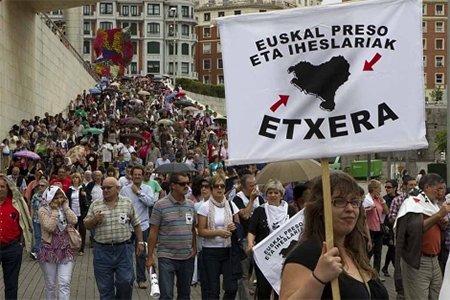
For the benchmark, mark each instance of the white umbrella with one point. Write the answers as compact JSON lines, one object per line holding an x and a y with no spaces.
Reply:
{"x":115,"y":84}
{"x":144,"y":93}
{"x":190,"y":108}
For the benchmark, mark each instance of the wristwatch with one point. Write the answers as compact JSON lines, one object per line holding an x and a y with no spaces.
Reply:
{"x":141,"y":243}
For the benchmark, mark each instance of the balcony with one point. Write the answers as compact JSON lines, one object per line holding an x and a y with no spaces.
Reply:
{"x":130,"y":17}
{"x":45,"y":5}
{"x":91,"y":16}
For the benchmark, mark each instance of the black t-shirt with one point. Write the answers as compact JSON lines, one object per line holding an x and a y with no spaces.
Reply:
{"x":240,"y":204}
{"x":308,"y":254}
{"x":258,"y":223}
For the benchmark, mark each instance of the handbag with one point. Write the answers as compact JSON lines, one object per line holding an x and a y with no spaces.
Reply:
{"x":74,"y":238}
{"x":388,"y":234}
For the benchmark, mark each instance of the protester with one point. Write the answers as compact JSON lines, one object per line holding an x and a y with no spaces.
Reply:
{"x":216,"y":224}
{"x":266,"y":219}
{"x":36,"y":203}
{"x":314,"y":266}
{"x":55,"y":255}
{"x":390,"y":186}
{"x":300,"y":192}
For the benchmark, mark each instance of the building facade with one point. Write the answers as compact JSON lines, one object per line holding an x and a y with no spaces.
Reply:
{"x":155,"y":26}
{"x":208,"y":55}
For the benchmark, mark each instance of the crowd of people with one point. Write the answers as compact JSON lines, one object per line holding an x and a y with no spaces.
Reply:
{"x":96,"y":169}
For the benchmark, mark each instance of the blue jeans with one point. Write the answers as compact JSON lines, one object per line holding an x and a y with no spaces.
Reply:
{"x":140,"y":261}
{"x":218,"y":262}
{"x":11,"y":260}
{"x":168,"y":269}
{"x":37,"y":237}
{"x":113,"y":267}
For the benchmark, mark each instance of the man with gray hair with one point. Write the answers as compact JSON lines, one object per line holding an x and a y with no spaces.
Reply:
{"x":418,"y":226}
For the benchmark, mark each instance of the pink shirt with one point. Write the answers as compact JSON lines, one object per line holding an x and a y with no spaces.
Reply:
{"x":374,"y":216}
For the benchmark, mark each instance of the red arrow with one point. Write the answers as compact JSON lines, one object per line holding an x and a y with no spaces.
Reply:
{"x":368,"y":65}
{"x":283,"y":100}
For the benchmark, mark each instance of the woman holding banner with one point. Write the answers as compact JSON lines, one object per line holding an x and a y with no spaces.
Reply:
{"x":216,"y":218}
{"x":266,"y":219}
{"x":310,"y":268}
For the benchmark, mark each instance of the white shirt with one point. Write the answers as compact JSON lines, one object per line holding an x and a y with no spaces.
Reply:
{"x":106,"y":150}
{"x":124,"y":181}
{"x":96,"y":192}
{"x":160,"y":162}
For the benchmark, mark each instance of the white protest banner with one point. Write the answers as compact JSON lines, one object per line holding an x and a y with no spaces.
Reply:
{"x":324,"y":81}
{"x":271,"y":252}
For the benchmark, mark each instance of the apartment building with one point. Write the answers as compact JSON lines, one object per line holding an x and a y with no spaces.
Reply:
{"x":434,"y":27}
{"x":156,"y":26}
{"x":208,"y":56}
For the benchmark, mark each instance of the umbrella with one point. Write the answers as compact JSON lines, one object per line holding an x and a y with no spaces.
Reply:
{"x":145,"y":79}
{"x":181,"y":94}
{"x":174,"y":168}
{"x":27,"y":154}
{"x":167,"y":91}
{"x":170,"y":97}
{"x":144,"y":93}
{"x":183,"y":103}
{"x":165,"y":122}
{"x":191,"y":108}
{"x":124,"y":120}
{"x":157,"y":79}
{"x":110,"y":90}
{"x":92,"y":130}
{"x":115,"y":84}
{"x":76,"y":153}
{"x":290,"y":171}
{"x":126,"y":78}
{"x":95,"y":91}
{"x":137,"y":101}
{"x":134,"y":122}
{"x":220,"y":120}
{"x":161,"y":110}
{"x":133,"y":136}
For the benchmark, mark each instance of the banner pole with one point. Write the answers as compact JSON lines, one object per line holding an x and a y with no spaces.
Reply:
{"x":328,"y":219}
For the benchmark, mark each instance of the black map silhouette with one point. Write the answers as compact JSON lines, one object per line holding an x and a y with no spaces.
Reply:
{"x":323,"y":80}
{"x":285,"y":251}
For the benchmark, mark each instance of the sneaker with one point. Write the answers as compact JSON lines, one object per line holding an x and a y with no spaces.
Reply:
{"x":143,"y":285}
{"x":34,"y":255}
{"x":385,"y":272}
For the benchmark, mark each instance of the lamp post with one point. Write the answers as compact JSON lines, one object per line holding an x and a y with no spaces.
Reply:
{"x":174,"y":11}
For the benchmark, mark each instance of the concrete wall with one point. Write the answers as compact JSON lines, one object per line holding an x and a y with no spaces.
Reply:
{"x":37,"y":73}
{"x":216,"y":104}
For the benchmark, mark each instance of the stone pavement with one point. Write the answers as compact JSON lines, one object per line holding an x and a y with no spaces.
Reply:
{"x":31,"y":281}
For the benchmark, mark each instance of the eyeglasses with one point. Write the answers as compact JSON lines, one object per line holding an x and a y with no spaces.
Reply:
{"x":107,"y":187}
{"x":205,"y":186}
{"x":42,"y":185}
{"x":219,"y":186}
{"x":439,"y":190}
{"x":185,"y":183}
{"x":388,"y":187}
{"x":147,"y":173}
{"x":341,"y":202}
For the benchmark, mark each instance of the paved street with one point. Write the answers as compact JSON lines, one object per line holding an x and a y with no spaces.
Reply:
{"x":31,"y":281}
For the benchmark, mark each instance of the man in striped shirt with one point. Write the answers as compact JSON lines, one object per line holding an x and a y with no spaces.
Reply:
{"x":173,"y":226}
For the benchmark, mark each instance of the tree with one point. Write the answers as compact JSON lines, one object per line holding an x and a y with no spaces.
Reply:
{"x":441,"y":140}
{"x":437,"y":93}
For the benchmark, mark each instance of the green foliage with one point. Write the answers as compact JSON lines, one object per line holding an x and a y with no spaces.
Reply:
{"x":441,"y":140}
{"x":437,"y":94}
{"x":201,"y":88}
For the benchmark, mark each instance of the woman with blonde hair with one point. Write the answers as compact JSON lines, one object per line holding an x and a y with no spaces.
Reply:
{"x":266,"y":219}
{"x":55,"y":254}
{"x":310,"y":267}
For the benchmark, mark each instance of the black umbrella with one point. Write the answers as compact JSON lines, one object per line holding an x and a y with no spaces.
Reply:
{"x":125,"y":78}
{"x":183,"y":103}
{"x":133,"y":136}
{"x":174,"y":168}
{"x":161,"y":110}
{"x":110,"y":90}
{"x":157,"y":79}
{"x":134,"y":122}
{"x":220,"y":120}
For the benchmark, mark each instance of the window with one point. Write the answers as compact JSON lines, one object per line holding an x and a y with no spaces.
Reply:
{"x":439,"y":9}
{"x":172,"y":11}
{"x":106,"y":8}
{"x":220,"y":80}
{"x":106,"y":25}
{"x":184,"y":49}
{"x":133,"y":67}
{"x":57,"y":12}
{"x":207,"y":48}
{"x":206,"y":32}
{"x":219,"y":48}
{"x":424,"y":26}
{"x":153,"y":67}
{"x":171,"y":49}
{"x":219,"y":64}
{"x":439,"y":78}
{"x":172,"y":32}
{"x":86,"y":10}
{"x":153,"y":28}
{"x":133,"y":29}
{"x":424,"y":61}
{"x":206,"y":17}
{"x":221,"y":14}
{"x":439,"y":44}
{"x":125,"y":24}
{"x":153,"y":9}
{"x":184,"y":68}
{"x":171,"y":68}
{"x":86,"y":28}
{"x":134,"y":10}
{"x":207,"y":79}
{"x":439,"y":61}
{"x":424,"y":9}
{"x":135,"y":46}
{"x":185,"y":30}
{"x":125,"y":10}
{"x":206,"y":64}
{"x":86,"y":47}
{"x":439,"y":26}
{"x":424,"y":44}
{"x":185,"y":11}
{"x":237,"y":12}
{"x":153,"y":48}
